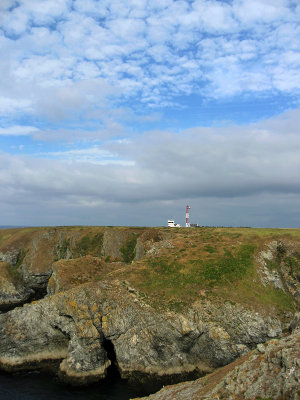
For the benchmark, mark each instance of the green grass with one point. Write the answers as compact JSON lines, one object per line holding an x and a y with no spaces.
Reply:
{"x":175,"y":279}
{"x":264,"y":398}
{"x":228,"y":268}
{"x":21,"y":257}
{"x":89,"y":244}
{"x":272,"y":297}
{"x":294,"y":265}
{"x":222,"y":269}
{"x":14,"y":274}
{"x":128,"y":249}
{"x":228,"y":274}
{"x":210,"y":249}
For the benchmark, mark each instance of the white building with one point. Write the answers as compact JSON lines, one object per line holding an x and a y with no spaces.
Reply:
{"x":171,"y":224}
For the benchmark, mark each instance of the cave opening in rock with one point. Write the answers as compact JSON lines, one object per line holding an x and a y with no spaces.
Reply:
{"x":113,"y":370}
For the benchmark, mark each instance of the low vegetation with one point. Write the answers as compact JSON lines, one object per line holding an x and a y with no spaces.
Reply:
{"x":186,"y":265}
{"x":217,"y":263}
{"x":128,"y":249}
{"x":13,"y":271}
{"x":14,"y":274}
{"x":89,"y":244}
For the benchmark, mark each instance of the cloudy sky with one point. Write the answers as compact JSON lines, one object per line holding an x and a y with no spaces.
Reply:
{"x":121,"y":112}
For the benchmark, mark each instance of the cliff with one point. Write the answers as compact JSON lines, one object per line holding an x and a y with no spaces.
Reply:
{"x":272,"y":371}
{"x":158,"y":305}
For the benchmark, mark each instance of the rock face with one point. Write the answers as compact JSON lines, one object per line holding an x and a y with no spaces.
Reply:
{"x":33,"y":257}
{"x":30,"y":266}
{"x":12,"y":293}
{"x":279,"y":266}
{"x":36,"y":267}
{"x":11,"y":256}
{"x":272,"y":371}
{"x":76,"y":328}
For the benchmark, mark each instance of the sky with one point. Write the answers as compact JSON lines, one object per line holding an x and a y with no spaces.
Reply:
{"x":121,"y":112}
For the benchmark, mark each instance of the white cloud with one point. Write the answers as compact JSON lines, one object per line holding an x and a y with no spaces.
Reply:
{"x":261,"y":10}
{"x":41,"y":68}
{"x":72,"y":100}
{"x":151,"y":51}
{"x":92,"y":155}
{"x":73,"y":65}
{"x":15,"y":22}
{"x":12,"y":105}
{"x":215,"y":16}
{"x":93,"y":8}
{"x":18,"y":130}
{"x":44,"y":12}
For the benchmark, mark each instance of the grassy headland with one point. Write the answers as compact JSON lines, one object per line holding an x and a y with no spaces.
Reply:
{"x":179,"y":266}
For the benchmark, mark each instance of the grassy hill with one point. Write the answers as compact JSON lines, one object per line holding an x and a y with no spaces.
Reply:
{"x":176,"y":266}
{"x":217,"y":263}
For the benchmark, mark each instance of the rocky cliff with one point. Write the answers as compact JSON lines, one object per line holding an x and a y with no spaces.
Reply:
{"x":158,"y":305}
{"x":74,"y":326}
{"x":28,"y":256}
{"x":272,"y":371}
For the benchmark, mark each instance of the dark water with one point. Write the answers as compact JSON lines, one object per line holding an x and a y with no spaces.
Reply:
{"x":39,"y":386}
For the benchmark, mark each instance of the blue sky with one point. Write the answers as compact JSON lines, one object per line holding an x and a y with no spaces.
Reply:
{"x":120,"y":112}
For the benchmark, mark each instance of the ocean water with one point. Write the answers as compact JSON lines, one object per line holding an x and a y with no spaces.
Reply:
{"x":10,"y":226}
{"x":39,"y":386}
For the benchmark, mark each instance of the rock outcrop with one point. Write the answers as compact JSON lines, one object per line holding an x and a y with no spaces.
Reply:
{"x":32,"y":256}
{"x":11,"y":256}
{"x":279,"y":266}
{"x":74,"y":327}
{"x":272,"y":371}
{"x":13,"y":293}
{"x":29,"y":263}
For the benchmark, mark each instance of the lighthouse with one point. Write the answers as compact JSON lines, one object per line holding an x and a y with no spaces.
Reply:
{"x":187,"y":216}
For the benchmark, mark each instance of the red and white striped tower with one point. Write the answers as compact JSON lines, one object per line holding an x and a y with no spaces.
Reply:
{"x":187,"y":217}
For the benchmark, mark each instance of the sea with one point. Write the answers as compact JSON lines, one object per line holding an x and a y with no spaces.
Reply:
{"x":39,"y":386}
{"x":10,"y":226}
